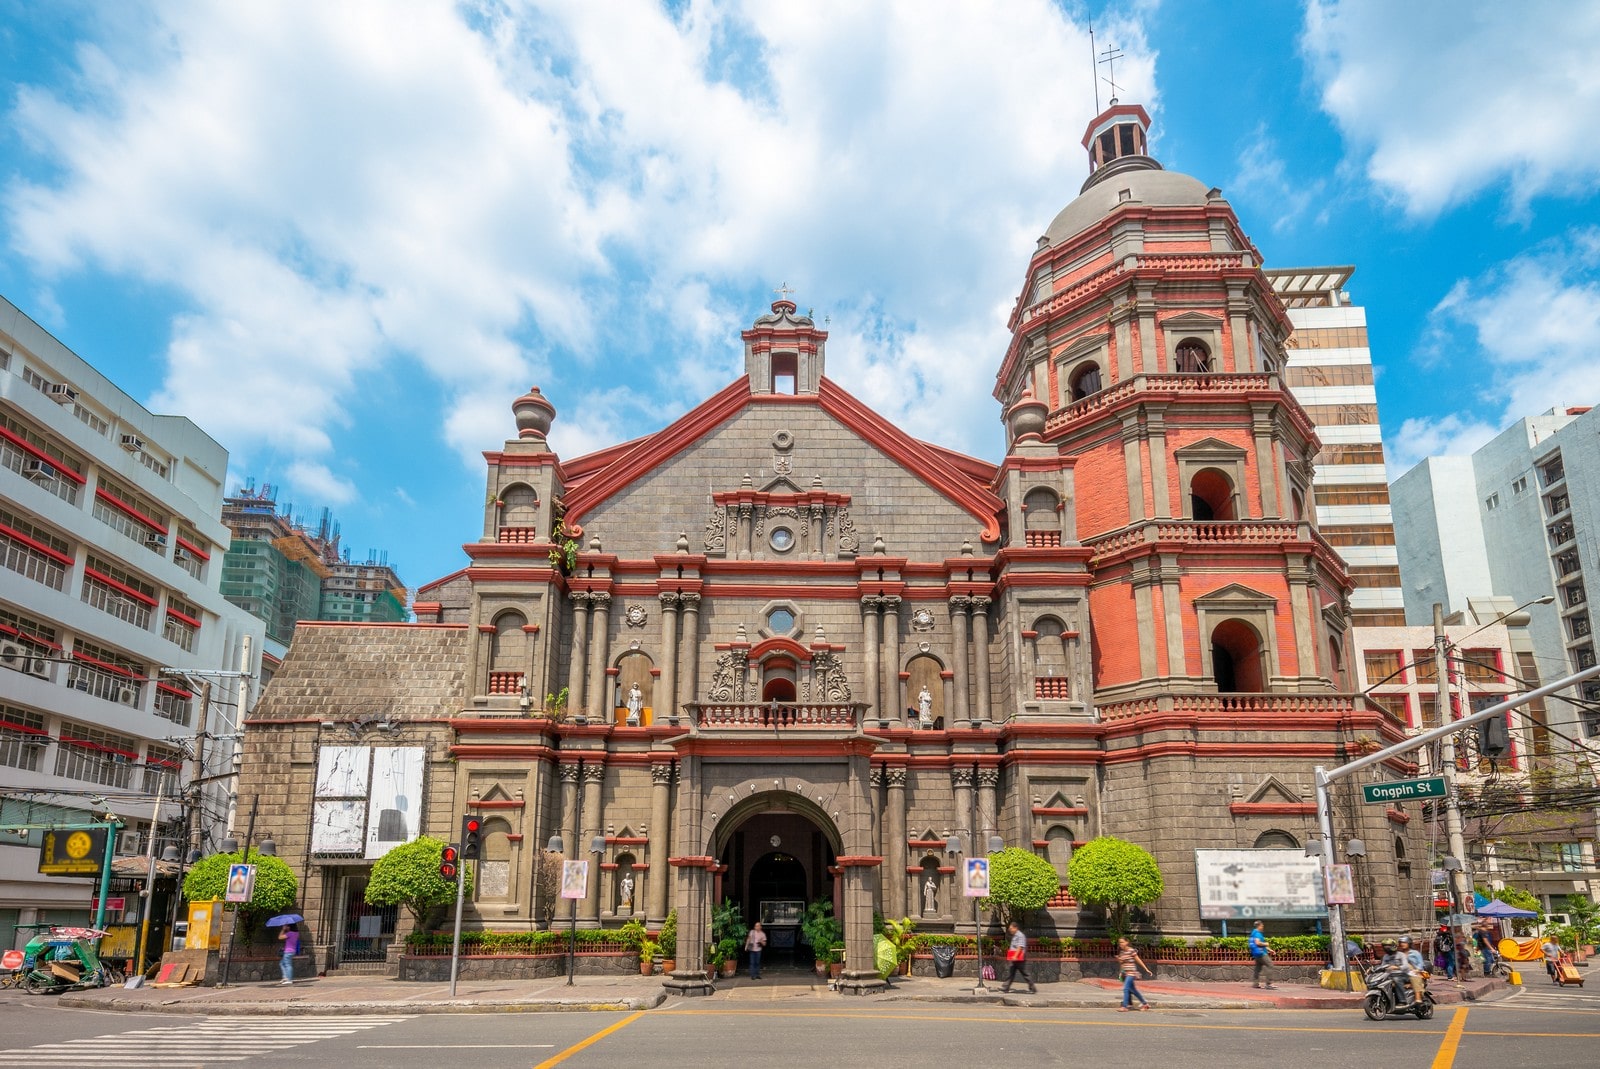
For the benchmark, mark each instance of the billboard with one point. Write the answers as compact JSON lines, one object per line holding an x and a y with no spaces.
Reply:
{"x":72,"y":852}
{"x":1251,"y":884}
{"x":394,"y":808}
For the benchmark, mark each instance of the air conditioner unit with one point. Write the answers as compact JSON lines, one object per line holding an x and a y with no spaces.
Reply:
{"x":127,"y":695}
{"x":180,"y":554}
{"x":37,"y":666}
{"x":129,"y":842}
{"x":13,"y":656}
{"x":38,"y":471}
{"x":154,"y":539}
{"x":62,"y":394}
{"x":132,"y":443}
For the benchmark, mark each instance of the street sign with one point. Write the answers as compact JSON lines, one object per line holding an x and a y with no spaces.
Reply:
{"x":1405,"y":790}
{"x":78,"y":852}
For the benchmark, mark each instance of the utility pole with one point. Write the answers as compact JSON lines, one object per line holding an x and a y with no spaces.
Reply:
{"x":1459,"y":886}
{"x":150,"y":874}
{"x":196,"y":833}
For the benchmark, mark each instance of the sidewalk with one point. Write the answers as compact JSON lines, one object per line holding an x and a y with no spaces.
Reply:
{"x":383,"y":995}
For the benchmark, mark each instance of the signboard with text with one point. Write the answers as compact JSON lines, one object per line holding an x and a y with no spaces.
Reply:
{"x":1250,"y":884}
{"x":1405,"y":790}
{"x":78,"y":852}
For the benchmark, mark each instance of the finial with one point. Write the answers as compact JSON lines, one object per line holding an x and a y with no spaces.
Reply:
{"x":683,"y":542}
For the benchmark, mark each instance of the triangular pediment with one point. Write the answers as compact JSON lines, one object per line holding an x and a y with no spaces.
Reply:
{"x":780,"y":485}
{"x":1235,"y":594}
{"x":1191,"y":321}
{"x":1273,"y":789}
{"x":1210,"y":449}
{"x":495,"y":793}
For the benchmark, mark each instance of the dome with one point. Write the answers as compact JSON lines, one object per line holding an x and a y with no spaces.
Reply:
{"x":1146,"y":183}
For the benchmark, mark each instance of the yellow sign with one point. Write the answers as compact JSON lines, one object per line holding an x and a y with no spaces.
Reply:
{"x":80,"y":852}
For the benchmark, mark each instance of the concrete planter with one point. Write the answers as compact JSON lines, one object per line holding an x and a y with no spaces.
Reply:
{"x":435,"y":968}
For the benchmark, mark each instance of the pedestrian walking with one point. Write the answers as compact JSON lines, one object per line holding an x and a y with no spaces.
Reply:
{"x":1017,"y":955}
{"x":1444,"y":951}
{"x":754,"y":943}
{"x":1485,"y":945}
{"x":1129,"y":963}
{"x":1260,"y":954}
{"x":1552,"y":957}
{"x":290,"y":938}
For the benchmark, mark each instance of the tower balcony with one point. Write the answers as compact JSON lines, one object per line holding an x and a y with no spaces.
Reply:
{"x":1204,"y":533}
{"x":767,"y":716}
{"x":1209,"y":384}
{"x":1234,"y":705}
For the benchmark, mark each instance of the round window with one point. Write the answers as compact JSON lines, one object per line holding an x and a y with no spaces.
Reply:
{"x":782,"y":539}
{"x":780,"y":620}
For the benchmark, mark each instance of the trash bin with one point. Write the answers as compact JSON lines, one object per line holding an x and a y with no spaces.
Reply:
{"x":944,"y":961}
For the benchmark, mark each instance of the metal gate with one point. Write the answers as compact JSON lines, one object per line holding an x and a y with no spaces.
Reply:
{"x":367,"y":930}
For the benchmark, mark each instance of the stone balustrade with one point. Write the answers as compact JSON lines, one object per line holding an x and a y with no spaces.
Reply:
{"x":765,"y":716}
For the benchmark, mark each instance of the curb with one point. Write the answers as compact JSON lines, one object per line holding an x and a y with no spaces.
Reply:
{"x":313,"y":1009}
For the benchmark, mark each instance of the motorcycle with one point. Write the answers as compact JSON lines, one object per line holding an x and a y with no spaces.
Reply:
{"x":1385,"y":995}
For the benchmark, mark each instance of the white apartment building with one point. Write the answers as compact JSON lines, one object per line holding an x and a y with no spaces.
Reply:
{"x":111,"y":542}
{"x":1518,"y":518}
{"x":1330,"y":373}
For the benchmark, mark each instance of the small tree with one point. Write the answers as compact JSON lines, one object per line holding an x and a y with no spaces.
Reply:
{"x":1115,"y":874}
{"x":408,"y":875}
{"x":547,"y":883}
{"x":1020,"y":882}
{"x":274,"y":890}
{"x":1585,"y":916}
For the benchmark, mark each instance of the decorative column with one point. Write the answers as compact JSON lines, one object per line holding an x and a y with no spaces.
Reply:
{"x":580,"y":649}
{"x":666,"y":684}
{"x":958,"y":665}
{"x":599,"y":622}
{"x":689,"y":651}
{"x":691,"y":882}
{"x":875,"y":780}
{"x":980,"y":653}
{"x":988,"y":806}
{"x":893,"y":707}
{"x":660,"y":875}
{"x":870,"y":642}
{"x":961,"y":779}
{"x":569,"y":811}
{"x":593,"y":776}
{"x":894,"y":843}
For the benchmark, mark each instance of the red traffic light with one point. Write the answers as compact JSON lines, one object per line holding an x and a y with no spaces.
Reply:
{"x":471,"y":838}
{"x":472,"y":824}
{"x":448,"y":857}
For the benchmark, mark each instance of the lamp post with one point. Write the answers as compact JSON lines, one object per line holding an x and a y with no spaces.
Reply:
{"x":268,"y":849}
{"x":597,"y":846}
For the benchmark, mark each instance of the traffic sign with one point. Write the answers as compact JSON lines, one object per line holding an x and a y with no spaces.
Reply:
{"x":1405,"y":790}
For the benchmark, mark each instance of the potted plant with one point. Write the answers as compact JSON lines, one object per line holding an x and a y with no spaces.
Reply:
{"x":649,"y":950}
{"x":899,"y":935}
{"x":669,"y":942}
{"x":728,"y":949}
{"x":823,"y":931}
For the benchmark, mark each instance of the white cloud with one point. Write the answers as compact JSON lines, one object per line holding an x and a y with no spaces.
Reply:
{"x":1445,"y":99}
{"x":1524,"y":332}
{"x":318,"y":483}
{"x":544,"y":192}
{"x":1263,"y":178}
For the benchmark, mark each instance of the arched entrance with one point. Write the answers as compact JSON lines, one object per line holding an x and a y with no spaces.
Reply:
{"x":777,"y":851}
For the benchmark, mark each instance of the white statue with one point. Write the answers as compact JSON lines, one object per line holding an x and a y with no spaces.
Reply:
{"x":925,"y":707}
{"x":930,"y":891}
{"x":635,"y":703}
{"x":627,"y":891}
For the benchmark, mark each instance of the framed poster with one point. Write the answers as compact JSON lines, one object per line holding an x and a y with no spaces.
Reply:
{"x":241,"y":883}
{"x":342,"y":771}
{"x":574,"y":879}
{"x":338,"y":827}
{"x":394,"y":810}
{"x":975,"y":877}
{"x":1341,"y":886}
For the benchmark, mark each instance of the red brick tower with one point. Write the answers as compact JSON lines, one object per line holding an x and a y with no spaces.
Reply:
{"x":1144,"y":404}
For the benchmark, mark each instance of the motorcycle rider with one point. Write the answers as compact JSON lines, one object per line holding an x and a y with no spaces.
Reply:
{"x":1418,"y":969}
{"x":1397,"y":966}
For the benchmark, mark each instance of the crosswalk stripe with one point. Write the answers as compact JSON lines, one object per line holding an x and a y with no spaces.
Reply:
{"x":198,"y":1043}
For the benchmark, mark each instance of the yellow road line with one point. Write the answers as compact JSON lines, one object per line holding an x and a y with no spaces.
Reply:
{"x":1452,"y":1039}
{"x":597,"y":1037}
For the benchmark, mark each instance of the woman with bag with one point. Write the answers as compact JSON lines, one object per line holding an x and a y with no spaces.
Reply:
{"x":1129,"y":962}
{"x":1017,"y":955}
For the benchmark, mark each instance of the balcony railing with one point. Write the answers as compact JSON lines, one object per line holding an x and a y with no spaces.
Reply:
{"x":1213,"y":383}
{"x":505,"y":683}
{"x":1197,"y":532}
{"x":766,"y":716}
{"x":1213,"y":703}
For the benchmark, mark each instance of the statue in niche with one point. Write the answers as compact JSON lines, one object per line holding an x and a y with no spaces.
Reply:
{"x":626,"y":905}
{"x":635,"y":704}
{"x":930,"y":897}
{"x":925,"y":707}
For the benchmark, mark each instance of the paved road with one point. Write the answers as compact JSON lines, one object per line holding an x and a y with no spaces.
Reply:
{"x":1548,"y":1027}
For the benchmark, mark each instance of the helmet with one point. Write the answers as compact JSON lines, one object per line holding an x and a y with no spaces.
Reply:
{"x":1390,"y":945}
{"x":1444,"y":927}
{"x":1405,"y":940}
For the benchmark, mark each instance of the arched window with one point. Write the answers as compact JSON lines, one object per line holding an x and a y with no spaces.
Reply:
{"x":1298,"y":501}
{"x":1211,"y":495}
{"x":493,"y":877}
{"x":1041,"y":517}
{"x":1336,"y":665}
{"x":520,"y":507}
{"x":510,"y":642}
{"x":1236,"y":658}
{"x":1401,"y":864}
{"x":785,"y":372}
{"x":778,"y":678}
{"x":1085,"y":381}
{"x":1058,"y":849}
{"x":1192,"y":357}
{"x":1276,"y":840}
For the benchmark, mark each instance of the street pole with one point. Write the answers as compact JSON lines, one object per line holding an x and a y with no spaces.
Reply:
{"x":1336,"y":936}
{"x":1459,"y":887}
{"x":233,"y":929}
{"x":150,"y":874}
{"x":455,"y":942}
{"x":577,"y":837}
{"x":195,"y":830}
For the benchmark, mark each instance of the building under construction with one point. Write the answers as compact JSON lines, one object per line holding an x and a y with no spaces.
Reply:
{"x":283,"y":571}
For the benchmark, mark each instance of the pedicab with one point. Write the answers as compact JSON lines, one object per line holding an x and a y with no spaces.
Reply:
{"x":62,"y":959}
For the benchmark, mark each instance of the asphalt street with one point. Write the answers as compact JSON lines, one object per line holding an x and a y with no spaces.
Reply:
{"x":1541,"y":1026}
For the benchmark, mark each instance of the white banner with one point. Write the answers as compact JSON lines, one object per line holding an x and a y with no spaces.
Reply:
{"x":574,"y":879}
{"x":394,"y":815}
{"x":1246,"y":884}
{"x":338,"y":827}
{"x":342,"y":771}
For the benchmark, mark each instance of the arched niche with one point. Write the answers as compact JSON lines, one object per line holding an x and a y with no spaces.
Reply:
{"x":925,"y":672}
{"x":634,"y":668}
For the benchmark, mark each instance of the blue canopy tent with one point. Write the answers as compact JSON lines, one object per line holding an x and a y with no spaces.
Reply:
{"x":1497,"y":908}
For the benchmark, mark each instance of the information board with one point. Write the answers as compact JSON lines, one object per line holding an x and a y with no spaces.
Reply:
{"x":1249,"y":884}
{"x":74,"y":852}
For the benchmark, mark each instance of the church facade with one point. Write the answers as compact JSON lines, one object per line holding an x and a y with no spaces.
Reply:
{"x":781,"y":651}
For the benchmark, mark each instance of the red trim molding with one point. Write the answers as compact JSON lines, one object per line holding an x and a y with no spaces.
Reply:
{"x":1273,"y":809}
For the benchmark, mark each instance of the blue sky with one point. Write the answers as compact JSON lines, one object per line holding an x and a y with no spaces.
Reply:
{"x":342,"y":237}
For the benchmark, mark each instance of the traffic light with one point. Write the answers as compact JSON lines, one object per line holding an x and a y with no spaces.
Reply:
{"x":449,"y":860}
{"x":1494,"y":739}
{"x":471,"y":838}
